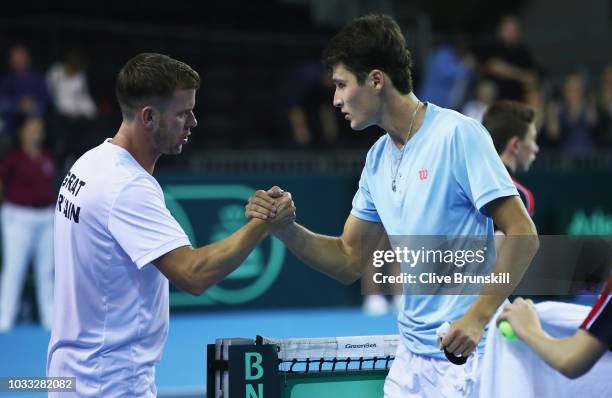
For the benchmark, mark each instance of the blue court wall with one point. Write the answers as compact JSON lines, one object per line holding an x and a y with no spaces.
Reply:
{"x":210,"y":207}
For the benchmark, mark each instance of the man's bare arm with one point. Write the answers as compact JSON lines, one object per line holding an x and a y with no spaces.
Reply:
{"x":195,"y":270}
{"x":518,"y":248}
{"x":340,"y":257}
{"x":572,"y":356}
{"x":344,"y":257}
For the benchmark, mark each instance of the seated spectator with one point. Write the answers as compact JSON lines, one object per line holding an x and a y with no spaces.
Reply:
{"x":572,"y":123}
{"x":67,"y":83}
{"x":22,"y":90}
{"x":73,"y":107}
{"x":314,"y":122}
{"x":604,"y":107}
{"x":447,"y":75}
{"x":508,"y":62}
{"x":486,"y":93}
{"x":535,"y":98}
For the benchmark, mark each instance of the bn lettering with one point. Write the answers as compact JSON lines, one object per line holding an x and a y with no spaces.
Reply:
{"x":253,"y":371}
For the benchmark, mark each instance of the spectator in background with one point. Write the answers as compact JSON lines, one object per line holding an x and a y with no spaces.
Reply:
{"x":313,"y":119}
{"x":27,"y":223}
{"x":572,"y":123}
{"x":22,"y":91}
{"x":604,"y":107}
{"x":447,"y":74}
{"x":535,"y":98}
{"x":72,"y":104}
{"x":508,"y":62}
{"x":67,"y":83}
{"x":486,"y":92}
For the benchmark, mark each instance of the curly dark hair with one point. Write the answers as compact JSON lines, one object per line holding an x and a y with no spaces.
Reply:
{"x":372,"y":42}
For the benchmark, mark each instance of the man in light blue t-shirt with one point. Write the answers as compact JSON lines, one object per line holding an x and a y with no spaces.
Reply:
{"x":434,"y":173}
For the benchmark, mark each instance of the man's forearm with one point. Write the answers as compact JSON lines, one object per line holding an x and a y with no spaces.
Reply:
{"x":506,"y":70}
{"x":515,"y":255}
{"x":552,"y":351}
{"x":217,"y":260}
{"x":573,"y":356}
{"x":326,"y":254}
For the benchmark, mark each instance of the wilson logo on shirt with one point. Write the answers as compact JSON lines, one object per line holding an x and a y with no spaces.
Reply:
{"x":423,"y":174}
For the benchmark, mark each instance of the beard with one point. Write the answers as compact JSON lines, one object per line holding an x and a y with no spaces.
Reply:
{"x":165,"y":142}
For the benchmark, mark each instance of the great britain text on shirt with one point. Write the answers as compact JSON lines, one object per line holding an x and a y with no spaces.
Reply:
{"x":73,"y":185}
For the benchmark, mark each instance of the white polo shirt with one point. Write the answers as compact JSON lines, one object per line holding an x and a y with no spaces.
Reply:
{"x":111,"y":304}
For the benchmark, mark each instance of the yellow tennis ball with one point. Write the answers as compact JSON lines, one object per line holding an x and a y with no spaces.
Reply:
{"x":506,"y":330}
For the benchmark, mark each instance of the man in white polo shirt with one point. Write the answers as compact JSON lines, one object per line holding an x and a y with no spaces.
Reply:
{"x":116,"y":244}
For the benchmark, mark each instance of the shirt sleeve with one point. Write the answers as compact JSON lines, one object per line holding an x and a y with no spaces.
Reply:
{"x":477,"y":166}
{"x":599,"y":320}
{"x":363,"y":205}
{"x":142,"y":225}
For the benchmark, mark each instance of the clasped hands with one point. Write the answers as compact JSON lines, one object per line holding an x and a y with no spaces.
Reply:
{"x":273,"y":206}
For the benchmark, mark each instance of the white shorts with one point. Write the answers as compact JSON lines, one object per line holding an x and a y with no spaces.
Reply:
{"x":413,"y":376}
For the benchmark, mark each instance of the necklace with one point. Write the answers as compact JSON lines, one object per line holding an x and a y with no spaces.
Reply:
{"x":399,"y":163}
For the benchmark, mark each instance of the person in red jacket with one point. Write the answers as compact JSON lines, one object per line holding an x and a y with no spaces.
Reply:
{"x":26,"y":176}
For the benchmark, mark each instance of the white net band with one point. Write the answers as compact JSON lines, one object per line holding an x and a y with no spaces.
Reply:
{"x":334,"y":347}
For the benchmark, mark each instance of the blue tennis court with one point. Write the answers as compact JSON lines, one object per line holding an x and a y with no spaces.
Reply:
{"x":181,"y":372}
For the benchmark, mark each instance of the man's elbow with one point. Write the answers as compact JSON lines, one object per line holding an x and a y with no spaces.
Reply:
{"x":571,"y":371}
{"x":527,"y":232}
{"x":575,"y":366}
{"x":193,"y":286}
{"x":196,"y":290}
{"x":534,"y":241}
{"x":196,"y":282}
{"x":352,"y":273}
{"x":349,"y":278}
{"x":526,"y":227}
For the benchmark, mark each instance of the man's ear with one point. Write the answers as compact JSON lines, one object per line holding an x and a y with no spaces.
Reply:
{"x":147,"y":117}
{"x":513,"y":145}
{"x":376,"y":78}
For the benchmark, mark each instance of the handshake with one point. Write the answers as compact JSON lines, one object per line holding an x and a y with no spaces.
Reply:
{"x":273,"y":206}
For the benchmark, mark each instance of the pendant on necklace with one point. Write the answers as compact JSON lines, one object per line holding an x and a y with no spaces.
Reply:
{"x":393,"y":187}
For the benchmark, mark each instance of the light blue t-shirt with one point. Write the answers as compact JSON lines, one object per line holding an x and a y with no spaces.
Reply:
{"x":448,"y":173}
